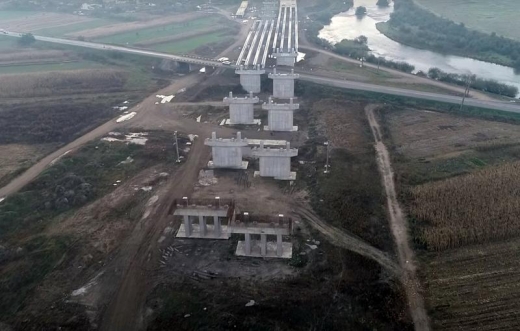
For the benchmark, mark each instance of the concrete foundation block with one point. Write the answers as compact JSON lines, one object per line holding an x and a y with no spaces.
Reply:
{"x":271,"y":250}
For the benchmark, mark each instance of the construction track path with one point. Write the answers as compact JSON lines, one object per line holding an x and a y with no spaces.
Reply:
{"x":399,"y":227}
{"x":126,"y":308}
{"x":341,"y":238}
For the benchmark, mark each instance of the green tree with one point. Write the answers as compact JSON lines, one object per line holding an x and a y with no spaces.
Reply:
{"x":361,"y":11}
{"x":27,"y":39}
{"x":361,"y":40}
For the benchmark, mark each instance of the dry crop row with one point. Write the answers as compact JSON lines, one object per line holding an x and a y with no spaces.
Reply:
{"x":474,"y":208}
{"x":24,"y":56}
{"x":53,"y":83}
{"x":474,"y":288}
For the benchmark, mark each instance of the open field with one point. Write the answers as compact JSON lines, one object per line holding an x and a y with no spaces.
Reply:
{"x":178,"y":38}
{"x":181,"y":36}
{"x":499,"y":16}
{"x":157,"y":32}
{"x":8,"y":15}
{"x":7,"y":43}
{"x":66,"y":82}
{"x":474,"y":288}
{"x":431,"y":145}
{"x":40,"y":21}
{"x":214,"y":41}
{"x":457,"y":177}
{"x":61,"y":31}
{"x":122,"y":28}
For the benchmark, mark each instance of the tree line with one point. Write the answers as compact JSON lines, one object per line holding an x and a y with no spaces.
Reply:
{"x":486,"y":85}
{"x":412,"y":25}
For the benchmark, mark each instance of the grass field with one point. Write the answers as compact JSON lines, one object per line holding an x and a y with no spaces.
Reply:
{"x":499,"y":16}
{"x":63,"y":30}
{"x":13,"y":14}
{"x":134,"y":37}
{"x":190,"y":44}
{"x":7,"y":43}
{"x":354,"y":68}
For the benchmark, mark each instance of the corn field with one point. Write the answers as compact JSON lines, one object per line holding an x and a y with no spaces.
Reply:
{"x":59,"y":83}
{"x":469,"y":209}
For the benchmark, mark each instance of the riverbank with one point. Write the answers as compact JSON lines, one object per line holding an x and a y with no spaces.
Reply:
{"x":416,"y":27}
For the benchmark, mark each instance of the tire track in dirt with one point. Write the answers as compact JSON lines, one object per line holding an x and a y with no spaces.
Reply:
{"x":341,"y":238}
{"x":399,"y":227}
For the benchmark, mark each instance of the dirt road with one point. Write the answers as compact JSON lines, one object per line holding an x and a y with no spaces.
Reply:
{"x":125,"y":311}
{"x":341,"y":238}
{"x":399,"y":226}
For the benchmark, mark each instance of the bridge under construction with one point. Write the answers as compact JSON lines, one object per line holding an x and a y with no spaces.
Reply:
{"x":276,"y":37}
{"x":269,"y":38}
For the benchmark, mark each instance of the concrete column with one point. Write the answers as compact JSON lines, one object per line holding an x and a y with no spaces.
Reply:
{"x":263,"y":245}
{"x":202,"y":226}
{"x":187,"y":225}
{"x":248,"y":244}
{"x":216,"y":221}
{"x":279,"y":248}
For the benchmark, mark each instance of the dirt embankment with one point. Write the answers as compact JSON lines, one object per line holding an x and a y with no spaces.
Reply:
{"x":108,"y":30}
{"x":399,"y":226}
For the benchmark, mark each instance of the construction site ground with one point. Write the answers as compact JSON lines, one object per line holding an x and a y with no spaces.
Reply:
{"x":113,"y":280}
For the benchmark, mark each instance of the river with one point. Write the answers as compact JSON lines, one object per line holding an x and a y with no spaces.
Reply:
{"x":347,"y":26}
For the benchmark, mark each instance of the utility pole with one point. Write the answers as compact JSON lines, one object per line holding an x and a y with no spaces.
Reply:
{"x":466,"y":92}
{"x":177,"y":147}
{"x":327,"y":165}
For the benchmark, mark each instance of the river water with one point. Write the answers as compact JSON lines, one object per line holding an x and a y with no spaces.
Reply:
{"x":347,"y":26}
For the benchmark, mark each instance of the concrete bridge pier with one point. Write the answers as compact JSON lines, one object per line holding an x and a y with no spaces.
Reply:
{"x":283,"y":84}
{"x":280,"y":116}
{"x":276,"y":162}
{"x":250,"y":79}
{"x":227,"y":153}
{"x":241,"y":109}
